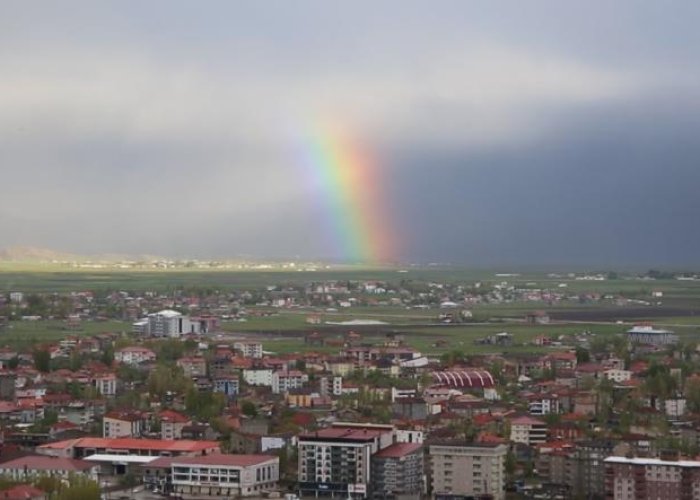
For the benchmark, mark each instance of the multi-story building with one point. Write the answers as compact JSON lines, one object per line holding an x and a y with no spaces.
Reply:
{"x":467,"y":469}
{"x":331,"y":385}
{"x":193,"y":366}
{"x":259,"y":377}
{"x":249,"y":349}
{"x":172,"y":423}
{"x":168,"y":323}
{"x":217,"y":475}
{"x":106,"y":384}
{"x":229,"y":386}
{"x":648,"y":335}
{"x":528,"y":430}
{"x":282,"y":381}
{"x":633,"y":478}
{"x":397,"y":471}
{"x":116,"y":424}
{"x":134,"y":355}
{"x":336,"y":461}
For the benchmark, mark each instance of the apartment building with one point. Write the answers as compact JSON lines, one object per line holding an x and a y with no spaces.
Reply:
{"x":632,"y":478}
{"x":168,"y":323}
{"x":282,"y":381}
{"x":336,"y":461}
{"x":398,"y":472}
{"x":249,"y":349}
{"x":118,"y":423}
{"x":134,"y":355}
{"x":528,"y":430}
{"x":466,"y":469}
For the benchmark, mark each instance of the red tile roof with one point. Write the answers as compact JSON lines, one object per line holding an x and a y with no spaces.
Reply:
{"x":180,"y":445}
{"x":216,"y":459}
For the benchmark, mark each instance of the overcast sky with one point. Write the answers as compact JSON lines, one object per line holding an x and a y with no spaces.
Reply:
{"x":507,"y":133}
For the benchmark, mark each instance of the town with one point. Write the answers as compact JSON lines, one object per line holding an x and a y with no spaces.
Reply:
{"x":556,"y":387}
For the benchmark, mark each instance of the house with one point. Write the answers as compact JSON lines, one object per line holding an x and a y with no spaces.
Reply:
{"x":134,"y":355}
{"x":193,"y":366}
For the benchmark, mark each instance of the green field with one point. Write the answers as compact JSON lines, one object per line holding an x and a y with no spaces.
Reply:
{"x":283,"y":331}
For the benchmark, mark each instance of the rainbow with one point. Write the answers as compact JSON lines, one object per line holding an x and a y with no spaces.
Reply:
{"x":347,"y":183}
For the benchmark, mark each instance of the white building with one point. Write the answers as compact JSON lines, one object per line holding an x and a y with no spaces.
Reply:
{"x":134,"y":355}
{"x":528,"y":430}
{"x":617,"y":375}
{"x":218,"y":475}
{"x":249,"y":349}
{"x":283,"y":381}
{"x":168,"y":323}
{"x":259,"y":377}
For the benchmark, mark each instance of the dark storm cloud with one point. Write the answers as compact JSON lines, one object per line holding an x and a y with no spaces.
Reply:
{"x":513,"y":132}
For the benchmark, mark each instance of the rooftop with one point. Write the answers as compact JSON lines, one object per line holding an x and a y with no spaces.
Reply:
{"x":398,"y":450}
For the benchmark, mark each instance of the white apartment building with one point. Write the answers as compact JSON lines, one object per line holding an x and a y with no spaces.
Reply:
{"x":249,"y":349}
{"x":633,"y":478}
{"x":167,"y":323}
{"x":618,"y":375}
{"x":528,"y":430}
{"x":116,"y":424}
{"x":283,"y":381}
{"x":134,"y":355}
{"x":260,"y":377}
{"x":467,"y":469}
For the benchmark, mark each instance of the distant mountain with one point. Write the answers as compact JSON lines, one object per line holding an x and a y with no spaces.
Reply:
{"x":37,"y":254}
{"x":34,"y":254}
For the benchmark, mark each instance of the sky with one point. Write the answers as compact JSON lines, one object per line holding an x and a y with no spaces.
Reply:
{"x":503,"y":133}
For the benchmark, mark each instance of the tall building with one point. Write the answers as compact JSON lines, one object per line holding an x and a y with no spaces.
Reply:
{"x":459,"y":468}
{"x":167,"y":323}
{"x":528,"y":430}
{"x":632,"y":478}
{"x":397,"y":472}
{"x":337,"y":461}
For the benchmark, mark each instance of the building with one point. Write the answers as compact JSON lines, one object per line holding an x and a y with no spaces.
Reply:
{"x":217,"y":475}
{"x":117,"y":424}
{"x":466,"y":469}
{"x":134,"y":355}
{"x":85,"y":447}
{"x":249,"y":349}
{"x":336,"y":461}
{"x":397,"y":471}
{"x":168,"y":323}
{"x":528,"y":430}
{"x":106,"y":384}
{"x":282,"y":381}
{"x":648,"y":335}
{"x":632,"y":478}
{"x":193,"y":366}
{"x":22,"y":468}
{"x":230,"y":386}
{"x":258,"y":377}
{"x":172,"y":423}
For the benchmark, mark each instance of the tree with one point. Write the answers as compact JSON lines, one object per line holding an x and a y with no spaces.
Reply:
{"x":582,"y":355}
{"x":108,"y":356}
{"x":42,"y":360}
{"x":249,"y":409}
